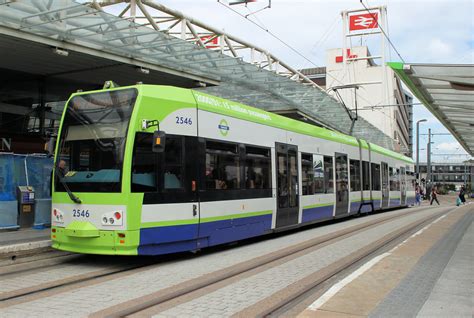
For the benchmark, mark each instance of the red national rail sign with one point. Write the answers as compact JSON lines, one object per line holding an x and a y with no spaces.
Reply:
{"x":214,"y":43}
{"x":363,"y":21}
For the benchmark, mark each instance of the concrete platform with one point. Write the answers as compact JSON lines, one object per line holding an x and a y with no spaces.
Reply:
{"x":24,"y":239}
{"x":453,"y":293}
{"x":430,"y":274}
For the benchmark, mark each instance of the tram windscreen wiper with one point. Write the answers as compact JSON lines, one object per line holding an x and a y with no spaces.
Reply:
{"x":60,"y":177}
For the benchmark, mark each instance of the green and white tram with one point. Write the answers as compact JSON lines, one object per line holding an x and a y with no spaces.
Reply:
{"x":156,"y":169}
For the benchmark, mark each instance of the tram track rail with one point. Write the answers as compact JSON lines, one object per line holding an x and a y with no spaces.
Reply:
{"x":57,"y":286}
{"x":62,"y":285}
{"x":16,"y":262}
{"x":190,"y":289}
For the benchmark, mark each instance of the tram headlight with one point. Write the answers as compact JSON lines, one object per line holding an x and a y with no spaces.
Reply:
{"x":57,"y":216}
{"x":114,"y":218}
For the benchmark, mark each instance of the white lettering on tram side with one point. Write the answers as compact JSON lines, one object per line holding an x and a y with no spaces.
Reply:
{"x":230,"y":106}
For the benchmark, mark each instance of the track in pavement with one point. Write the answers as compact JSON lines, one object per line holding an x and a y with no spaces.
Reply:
{"x":282,"y":302}
{"x":150,"y":304}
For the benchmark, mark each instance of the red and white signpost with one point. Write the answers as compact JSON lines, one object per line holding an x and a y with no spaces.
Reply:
{"x":364,"y":23}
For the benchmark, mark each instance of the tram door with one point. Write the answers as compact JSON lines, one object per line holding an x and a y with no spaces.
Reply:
{"x":385,"y":190}
{"x":403,"y":186}
{"x":342,"y":185}
{"x":287,"y":185}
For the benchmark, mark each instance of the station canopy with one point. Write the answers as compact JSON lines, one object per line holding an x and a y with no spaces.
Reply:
{"x":86,"y":30}
{"x":447,"y":90}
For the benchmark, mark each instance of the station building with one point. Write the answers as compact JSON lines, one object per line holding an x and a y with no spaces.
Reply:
{"x":450,"y":173}
{"x":371,"y":90}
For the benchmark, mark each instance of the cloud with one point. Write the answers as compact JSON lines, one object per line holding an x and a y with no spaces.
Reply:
{"x":440,"y":47}
{"x":448,"y":146}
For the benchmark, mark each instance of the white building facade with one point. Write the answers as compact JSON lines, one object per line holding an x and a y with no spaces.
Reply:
{"x":373,"y":91}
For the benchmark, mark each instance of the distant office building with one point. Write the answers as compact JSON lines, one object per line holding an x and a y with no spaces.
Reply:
{"x":450,"y":173}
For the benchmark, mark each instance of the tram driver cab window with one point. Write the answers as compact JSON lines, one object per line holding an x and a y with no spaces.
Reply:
{"x":173,"y":164}
{"x":143,"y":164}
{"x":162,"y":172}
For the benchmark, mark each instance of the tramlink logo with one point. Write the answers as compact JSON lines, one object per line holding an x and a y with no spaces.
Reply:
{"x":223,"y":127}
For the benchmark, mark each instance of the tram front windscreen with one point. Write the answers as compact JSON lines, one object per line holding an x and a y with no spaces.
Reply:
{"x":92,"y":141}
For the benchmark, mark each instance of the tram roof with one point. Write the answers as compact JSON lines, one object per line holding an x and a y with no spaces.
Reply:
{"x":113,"y":42}
{"x":238,"y":110}
{"x":447,"y":91}
{"x":241,"y":111}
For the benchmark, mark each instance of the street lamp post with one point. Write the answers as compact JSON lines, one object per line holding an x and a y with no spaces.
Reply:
{"x":418,"y":149}
{"x":428,"y":158}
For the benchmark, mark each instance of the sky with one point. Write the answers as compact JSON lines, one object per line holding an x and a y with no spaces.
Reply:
{"x":436,"y":31}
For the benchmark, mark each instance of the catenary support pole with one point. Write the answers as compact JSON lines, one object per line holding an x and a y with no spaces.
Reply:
{"x":418,"y":149}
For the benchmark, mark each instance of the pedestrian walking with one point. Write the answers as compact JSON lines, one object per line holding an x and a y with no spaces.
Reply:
{"x":462,"y":193}
{"x":434,"y":196}
{"x":417,"y":195}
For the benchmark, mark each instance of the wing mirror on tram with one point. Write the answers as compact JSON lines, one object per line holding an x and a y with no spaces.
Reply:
{"x":159,"y":136}
{"x":159,"y":141}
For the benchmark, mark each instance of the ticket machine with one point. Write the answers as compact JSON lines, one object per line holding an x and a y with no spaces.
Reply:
{"x":26,"y":206}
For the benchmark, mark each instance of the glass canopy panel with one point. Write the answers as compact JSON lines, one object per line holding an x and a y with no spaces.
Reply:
{"x":442,"y":70}
{"x":448,"y":89}
{"x":72,"y":22}
{"x":458,"y":103}
{"x":448,"y":94}
{"x":454,"y":98}
{"x":430,"y":82}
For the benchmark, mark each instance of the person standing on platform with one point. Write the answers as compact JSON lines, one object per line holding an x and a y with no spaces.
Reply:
{"x":462,"y":193}
{"x":417,"y":195}
{"x":434,"y":196}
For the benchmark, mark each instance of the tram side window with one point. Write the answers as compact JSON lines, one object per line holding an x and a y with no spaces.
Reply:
{"x":307,"y":173}
{"x":143,"y":164}
{"x":222,"y":166}
{"x":257,"y":168}
{"x":365,"y":176}
{"x":391,"y":179}
{"x":411,"y":178}
{"x":173,"y":167}
{"x":397,"y":179}
{"x":375,"y":177}
{"x":318,"y":169}
{"x":355,"y":175}
{"x":328,"y":175}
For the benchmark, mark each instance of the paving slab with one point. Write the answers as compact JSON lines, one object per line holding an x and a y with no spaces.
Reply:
{"x":408,"y":298}
{"x":454,"y":291}
{"x":390,"y":287}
